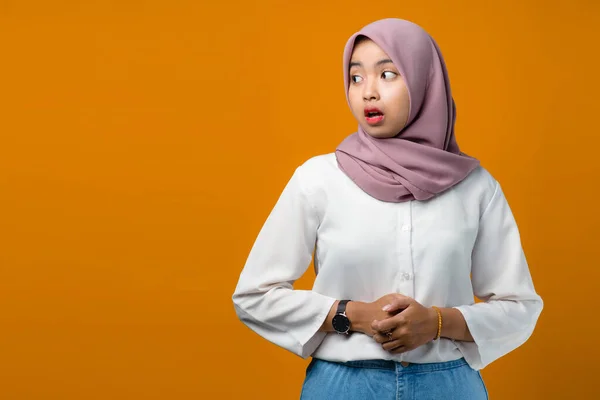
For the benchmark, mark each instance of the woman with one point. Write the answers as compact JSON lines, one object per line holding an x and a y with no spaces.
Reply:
{"x":406,"y":230}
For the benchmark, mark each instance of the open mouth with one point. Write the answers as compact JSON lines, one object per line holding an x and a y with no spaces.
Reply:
{"x":373,"y":116}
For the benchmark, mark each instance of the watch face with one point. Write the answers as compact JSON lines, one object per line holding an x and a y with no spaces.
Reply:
{"x":340,"y":323}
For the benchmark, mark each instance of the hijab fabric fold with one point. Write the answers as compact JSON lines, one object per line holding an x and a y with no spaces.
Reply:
{"x":423,"y":160}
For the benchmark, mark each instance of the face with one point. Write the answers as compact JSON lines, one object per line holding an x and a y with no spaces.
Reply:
{"x":377,"y":93}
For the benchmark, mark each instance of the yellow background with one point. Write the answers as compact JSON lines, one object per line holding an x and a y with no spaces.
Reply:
{"x":143,"y":143}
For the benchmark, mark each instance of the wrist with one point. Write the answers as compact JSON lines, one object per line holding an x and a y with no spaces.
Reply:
{"x":436,"y":319}
{"x":356,"y":312}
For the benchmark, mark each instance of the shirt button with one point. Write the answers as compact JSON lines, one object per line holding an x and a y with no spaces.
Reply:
{"x":406,"y":228}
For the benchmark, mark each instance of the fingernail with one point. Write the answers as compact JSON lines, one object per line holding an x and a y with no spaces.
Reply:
{"x":386,"y":307}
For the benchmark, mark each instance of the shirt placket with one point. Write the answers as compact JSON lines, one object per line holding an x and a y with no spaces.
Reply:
{"x":405,"y":274}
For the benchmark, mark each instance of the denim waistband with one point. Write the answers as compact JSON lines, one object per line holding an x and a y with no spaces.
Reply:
{"x":394,"y":365}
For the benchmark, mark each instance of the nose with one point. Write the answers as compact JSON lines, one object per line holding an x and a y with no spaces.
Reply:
{"x":370,"y":90}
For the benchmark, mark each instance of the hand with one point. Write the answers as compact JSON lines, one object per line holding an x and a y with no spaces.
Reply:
{"x":412,"y":326}
{"x":362,"y":314}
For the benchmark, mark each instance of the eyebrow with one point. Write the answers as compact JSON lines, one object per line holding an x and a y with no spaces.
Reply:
{"x":378,"y":63}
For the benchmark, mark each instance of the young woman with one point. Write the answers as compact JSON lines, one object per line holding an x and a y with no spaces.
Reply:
{"x":406,"y":230}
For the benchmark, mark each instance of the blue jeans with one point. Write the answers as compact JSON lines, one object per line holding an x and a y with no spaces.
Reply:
{"x":383,"y":380}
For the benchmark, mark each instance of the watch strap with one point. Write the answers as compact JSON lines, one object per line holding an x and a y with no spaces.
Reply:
{"x":341,"y":308}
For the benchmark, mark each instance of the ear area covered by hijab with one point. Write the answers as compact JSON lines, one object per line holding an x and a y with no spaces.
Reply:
{"x":423,"y":160}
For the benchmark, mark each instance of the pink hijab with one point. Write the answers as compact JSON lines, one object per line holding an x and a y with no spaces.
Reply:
{"x":423,"y":160}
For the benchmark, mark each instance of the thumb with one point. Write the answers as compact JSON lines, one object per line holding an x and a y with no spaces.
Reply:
{"x":398,"y":304}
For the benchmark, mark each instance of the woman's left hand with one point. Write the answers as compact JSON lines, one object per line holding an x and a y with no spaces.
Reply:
{"x":412,"y":326}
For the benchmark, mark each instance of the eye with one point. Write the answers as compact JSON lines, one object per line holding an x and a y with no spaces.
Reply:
{"x":389,"y":75}
{"x":355,"y":78}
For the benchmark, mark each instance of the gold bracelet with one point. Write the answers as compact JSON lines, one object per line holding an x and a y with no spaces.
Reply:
{"x":439,"y":331}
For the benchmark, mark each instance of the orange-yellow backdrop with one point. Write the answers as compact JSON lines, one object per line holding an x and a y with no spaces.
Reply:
{"x":143,"y":143}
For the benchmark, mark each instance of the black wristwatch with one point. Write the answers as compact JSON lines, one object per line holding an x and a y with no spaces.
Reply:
{"x":340,"y":322}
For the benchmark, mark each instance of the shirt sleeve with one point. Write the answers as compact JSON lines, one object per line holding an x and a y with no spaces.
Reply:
{"x":510,"y":306}
{"x":264,"y":298}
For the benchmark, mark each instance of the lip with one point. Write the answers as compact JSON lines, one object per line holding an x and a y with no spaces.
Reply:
{"x":371,"y":110}
{"x":374,"y":120}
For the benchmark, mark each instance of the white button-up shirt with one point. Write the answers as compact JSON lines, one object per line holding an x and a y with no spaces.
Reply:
{"x":443,"y":251}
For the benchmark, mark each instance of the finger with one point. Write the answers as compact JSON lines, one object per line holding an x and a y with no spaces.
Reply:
{"x":388,"y":324}
{"x":382,"y":337}
{"x":392,"y":345}
{"x":399,"y":350}
{"x":398,"y":304}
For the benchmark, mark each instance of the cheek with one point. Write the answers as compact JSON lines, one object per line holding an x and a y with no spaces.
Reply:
{"x":404,"y":101}
{"x":355,"y":104}
{"x":400,"y":105}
